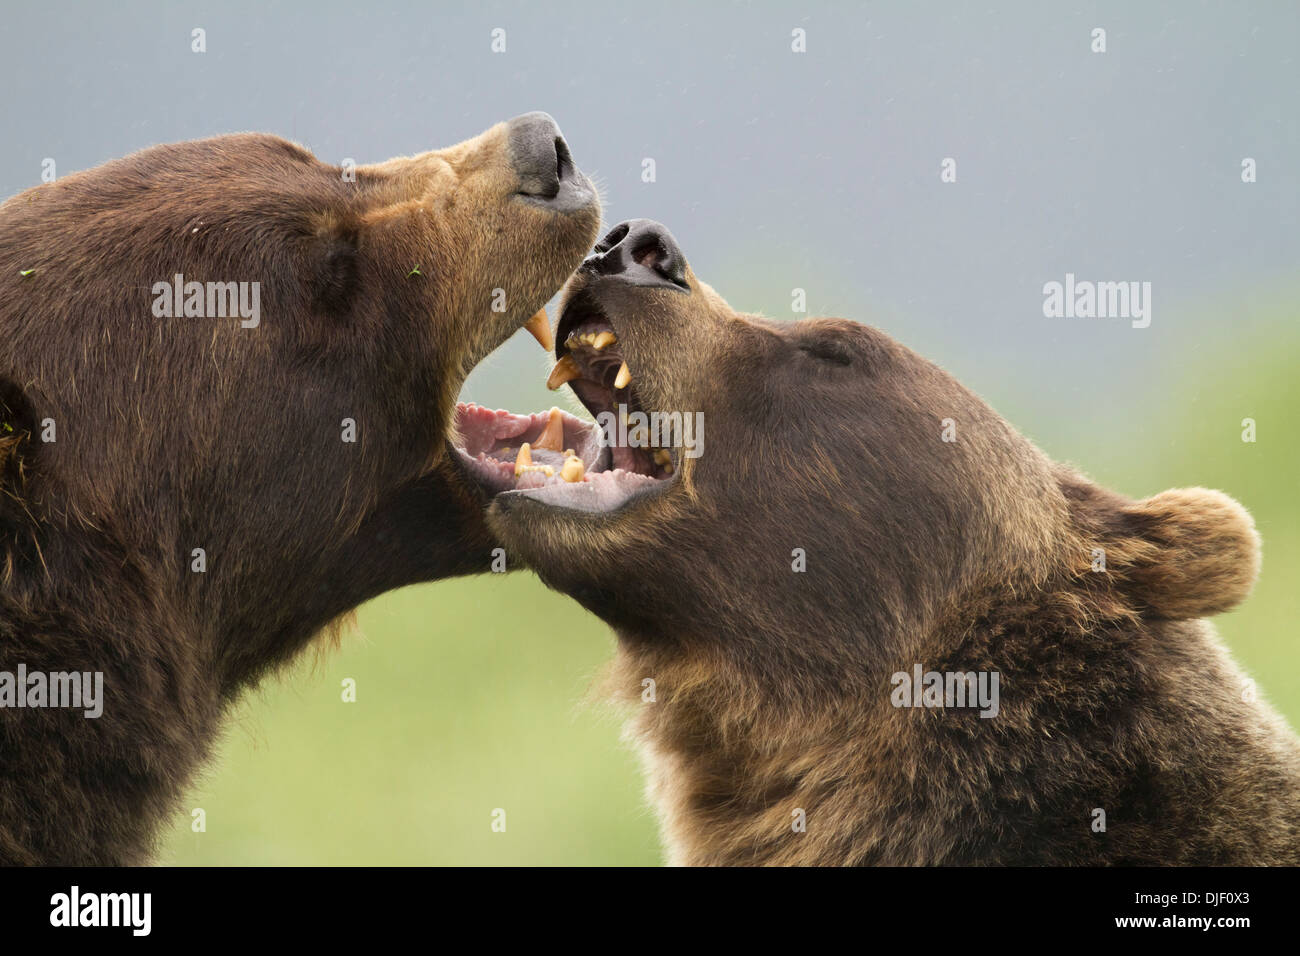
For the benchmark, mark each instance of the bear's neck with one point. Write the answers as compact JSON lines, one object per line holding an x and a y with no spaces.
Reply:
{"x":425,"y":530}
{"x":745,"y":772}
{"x":175,"y":647}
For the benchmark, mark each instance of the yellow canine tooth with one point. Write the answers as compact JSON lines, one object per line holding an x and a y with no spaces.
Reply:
{"x":573,"y":469}
{"x":524,"y":459}
{"x":624,"y":376}
{"x":539,"y":328}
{"x":552,"y":436}
{"x":566,"y":370}
{"x":662,"y":457}
{"x":603,"y":339}
{"x":570,"y":453}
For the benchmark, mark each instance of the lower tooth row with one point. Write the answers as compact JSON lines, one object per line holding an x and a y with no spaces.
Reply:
{"x":572,"y":470}
{"x":524,"y":460}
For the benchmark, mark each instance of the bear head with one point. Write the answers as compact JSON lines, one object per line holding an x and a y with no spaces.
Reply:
{"x":814,"y":497}
{"x":228,"y":371}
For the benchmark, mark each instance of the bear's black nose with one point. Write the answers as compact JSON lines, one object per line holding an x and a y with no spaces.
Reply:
{"x":547,"y":174}
{"x":539,"y":154}
{"x":642,"y":252}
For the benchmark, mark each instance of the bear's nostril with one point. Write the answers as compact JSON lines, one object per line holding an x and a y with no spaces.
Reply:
{"x":614,"y":237}
{"x":662,"y":256}
{"x":563,"y":161}
{"x":649,"y":254}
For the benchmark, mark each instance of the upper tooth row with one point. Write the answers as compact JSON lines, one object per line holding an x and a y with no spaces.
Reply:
{"x":597,"y":340}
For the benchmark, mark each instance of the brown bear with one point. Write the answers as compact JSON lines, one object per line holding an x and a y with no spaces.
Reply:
{"x":228,"y":374}
{"x":862,"y":620}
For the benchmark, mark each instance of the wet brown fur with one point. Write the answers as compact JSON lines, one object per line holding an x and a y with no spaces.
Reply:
{"x":772,"y":689}
{"x":181,"y":433}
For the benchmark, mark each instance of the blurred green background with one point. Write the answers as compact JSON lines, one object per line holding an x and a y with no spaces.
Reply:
{"x":468,"y":699}
{"x":472,"y":695}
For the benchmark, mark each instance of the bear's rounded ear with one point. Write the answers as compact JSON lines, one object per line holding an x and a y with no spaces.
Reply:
{"x":335,"y":269}
{"x":1195,"y":552}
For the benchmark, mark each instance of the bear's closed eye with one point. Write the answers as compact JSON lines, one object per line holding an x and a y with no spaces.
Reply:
{"x":829,"y":350}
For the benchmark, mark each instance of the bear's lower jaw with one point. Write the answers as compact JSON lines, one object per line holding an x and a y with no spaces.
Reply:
{"x":554,"y":458}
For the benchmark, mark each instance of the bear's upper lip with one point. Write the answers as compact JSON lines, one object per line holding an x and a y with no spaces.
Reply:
{"x":556,"y":458}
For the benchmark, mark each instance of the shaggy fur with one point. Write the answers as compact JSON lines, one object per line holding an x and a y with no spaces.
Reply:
{"x":772,"y":688}
{"x":181,"y":433}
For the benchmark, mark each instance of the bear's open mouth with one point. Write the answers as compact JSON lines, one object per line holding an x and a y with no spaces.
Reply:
{"x":558,"y":458}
